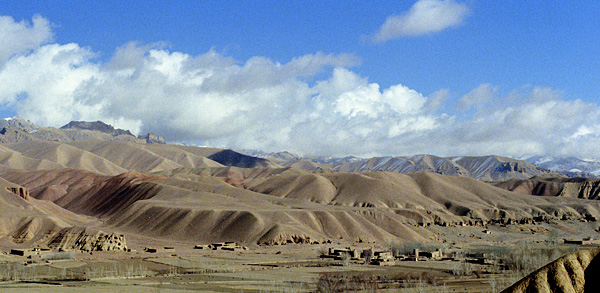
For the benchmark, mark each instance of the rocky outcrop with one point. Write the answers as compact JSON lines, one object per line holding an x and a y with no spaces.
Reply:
{"x":152,"y":138}
{"x":73,"y":238}
{"x":20,"y":191}
{"x":96,"y":126}
{"x":575,"y":272}
{"x":19,"y":123}
{"x":589,"y":189}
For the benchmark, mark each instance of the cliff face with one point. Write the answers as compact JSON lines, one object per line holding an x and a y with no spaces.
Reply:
{"x":152,"y":138}
{"x":589,"y":189}
{"x":79,"y":238}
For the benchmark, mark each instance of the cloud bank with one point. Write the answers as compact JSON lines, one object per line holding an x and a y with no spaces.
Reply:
{"x":424,"y":17}
{"x":312,"y":104}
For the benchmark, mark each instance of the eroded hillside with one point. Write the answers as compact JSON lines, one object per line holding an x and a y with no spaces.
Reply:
{"x":278,"y":205}
{"x":205,"y":194}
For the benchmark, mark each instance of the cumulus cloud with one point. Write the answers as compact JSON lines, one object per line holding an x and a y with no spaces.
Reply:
{"x":424,"y":17}
{"x":536,"y":121}
{"x":477,"y":97}
{"x":20,"y":37}
{"x":437,"y":99}
{"x":213,"y":99}
{"x":45,"y":84}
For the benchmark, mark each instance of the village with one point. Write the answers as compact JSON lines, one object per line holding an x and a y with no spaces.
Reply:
{"x":41,"y":251}
{"x":391,"y":257}
{"x":388,"y":258}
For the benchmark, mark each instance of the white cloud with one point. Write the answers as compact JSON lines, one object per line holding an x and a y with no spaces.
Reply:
{"x":20,"y":37}
{"x":538,"y":121}
{"x":424,"y":17}
{"x":45,"y":83}
{"x":478,"y":97}
{"x":212,"y":99}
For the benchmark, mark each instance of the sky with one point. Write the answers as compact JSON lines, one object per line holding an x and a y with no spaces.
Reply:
{"x":441,"y":77}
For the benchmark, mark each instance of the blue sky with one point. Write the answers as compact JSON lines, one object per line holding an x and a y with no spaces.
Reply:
{"x":316,"y":77}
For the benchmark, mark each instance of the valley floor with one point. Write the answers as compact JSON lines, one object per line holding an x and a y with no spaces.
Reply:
{"x":518,"y":249}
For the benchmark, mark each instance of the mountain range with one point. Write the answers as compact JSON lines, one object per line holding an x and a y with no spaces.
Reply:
{"x":488,"y":168}
{"x":569,"y":166}
{"x":93,"y":175}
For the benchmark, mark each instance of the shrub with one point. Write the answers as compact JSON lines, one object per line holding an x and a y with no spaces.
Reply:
{"x":332,"y":282}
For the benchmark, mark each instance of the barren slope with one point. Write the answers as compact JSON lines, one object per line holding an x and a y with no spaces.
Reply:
{"x":12,"y":159}
{"x":110,"y":157}
{"x":24,"y":220}
{"x":63,"y":155}
{"x":267,"y":205}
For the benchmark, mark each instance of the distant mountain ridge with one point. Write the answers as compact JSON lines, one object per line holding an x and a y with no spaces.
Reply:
{"x":570,"y":166}
{"x":231,"y":158}
{"x":487,"y":168}
{"x":16,"y":129}
{"x":19,"y":123}
{"x":99,"y":148}
{"x":97,"y":126}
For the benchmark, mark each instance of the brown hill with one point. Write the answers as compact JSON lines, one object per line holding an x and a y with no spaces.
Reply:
{"x":129,"y":156}
{"x":267,"y":205}
{"x":11,"y":134}
{"x":11,"y":159}
{"x":64,"y":156}
{"x":108,"y":157}
{"x":25,"y":220}
{"x":86,"y":192}
{"x":99,"y":147}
